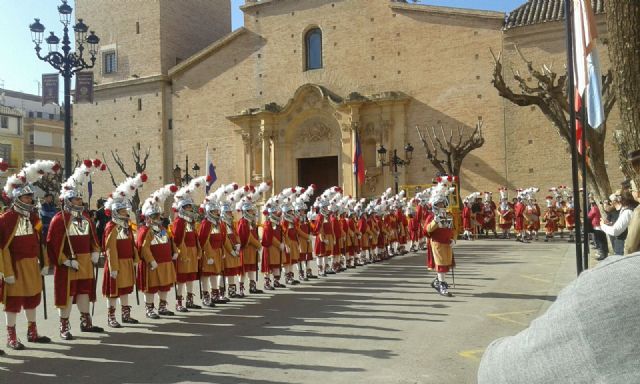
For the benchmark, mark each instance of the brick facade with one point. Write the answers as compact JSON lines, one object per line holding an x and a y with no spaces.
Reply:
{"x":248,"y":96}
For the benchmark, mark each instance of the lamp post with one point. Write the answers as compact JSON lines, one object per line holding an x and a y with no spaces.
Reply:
{"x":395,"y":160}
{"x":186,"y":179}
{"x":67,"y":62}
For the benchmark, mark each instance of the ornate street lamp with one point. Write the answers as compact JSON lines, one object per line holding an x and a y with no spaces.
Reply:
{"x":67,"y":62}
{"x":395,"y":160}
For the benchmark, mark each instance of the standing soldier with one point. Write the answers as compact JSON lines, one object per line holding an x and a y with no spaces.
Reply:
{"x":247,"y":229}
{"x":73,"y":248}
{"x":569,"y":219}
{"x":232,"y":261}
{"x":185,"y":241}
{"x":518,"y":211}
{"x":506,"y":214}
{"x":21,"y":260}
{"x":121,"y":253}
{"x":272,"y":246}
{"x":489,"y":215}
{"x":439,"y":229}
{"x":364,"y":232}
{"x":551,"y":219}
{"x":303,"y":229}
{"x":290,"y":239}
{"x":156,"y":273}
{"x":323,"y":231}
{"x":214,"y":242}
{"x":353,"y":247}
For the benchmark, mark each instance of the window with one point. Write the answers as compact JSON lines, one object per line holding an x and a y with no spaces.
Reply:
{"x":31,"y":114}
{"x":5,"y":152}
{"x":139,"y":104}
{"x":109,"y":62}
{"x":313,"y":51}
{"x":31,"y":141}
{"x":4,"y":122}
{"x":51,"y":116}
{"x":39,"y":115}
{"x":137,"y":27}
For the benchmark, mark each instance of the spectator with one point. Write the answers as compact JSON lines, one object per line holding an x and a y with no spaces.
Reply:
{"x":101,"y":218}
{"x":632,"y":243}
{"x":625,"y":204}
{"x":599,"y":237}
{"x":589,"y":335}
{"x":48,"y":209}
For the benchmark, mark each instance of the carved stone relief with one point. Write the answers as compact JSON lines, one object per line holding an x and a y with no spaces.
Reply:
{"x":314,"y":131}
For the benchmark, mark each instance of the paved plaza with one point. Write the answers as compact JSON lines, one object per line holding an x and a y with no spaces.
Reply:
{"x":377,"y":324}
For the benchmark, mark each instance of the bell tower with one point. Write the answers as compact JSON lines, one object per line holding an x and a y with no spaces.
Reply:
{"x":140,"y":41}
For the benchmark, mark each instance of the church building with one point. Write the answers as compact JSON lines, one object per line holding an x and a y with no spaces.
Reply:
{"x":282,"y":98}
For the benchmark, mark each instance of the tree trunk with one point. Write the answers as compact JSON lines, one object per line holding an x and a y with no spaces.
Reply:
{"x":623,"y":25}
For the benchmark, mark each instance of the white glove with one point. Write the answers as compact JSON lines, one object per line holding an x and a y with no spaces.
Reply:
{"x":237,"y":247}
{"x":282,"y":246}
{"x":325,"y":241}
{"x":154,"y":265}
{"x":44,"y":271}
{"x":452,"y":242}
{"x":72,"y":264}
{"x":113,"y":274}
{"x":10,"y":280}
{"x":210,"y":261}
{"x":234,"y":254}
{"x":175,"y":256}
{"x":359,"y":236}
{"x":95,"y":257}
{"x":287,"y":249}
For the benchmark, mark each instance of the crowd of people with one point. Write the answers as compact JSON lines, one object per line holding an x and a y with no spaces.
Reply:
{"x":219,"y":249}
{"x":209,"y":250}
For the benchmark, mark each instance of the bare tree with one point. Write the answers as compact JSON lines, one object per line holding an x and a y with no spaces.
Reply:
{"x":548,"y":92}
{"x":623,"y":25}
{"x":453,"y":147}
{"x":140,"y":165}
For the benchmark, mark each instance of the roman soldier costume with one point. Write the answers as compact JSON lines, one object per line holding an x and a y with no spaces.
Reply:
{"x":214,"y":242}
{"x":185,"y":240}
{"x":272,"y":245}
{"x":303,"y":229}
{"x":21,"y":260}
{"x":247,"y":229}
{"x":440,"y":230}
{"x":551,"y":219}
{"x":121,"y":251}
{"x":156,"y":272}
{"x":73,"y":248}
{"x":232,"y":261}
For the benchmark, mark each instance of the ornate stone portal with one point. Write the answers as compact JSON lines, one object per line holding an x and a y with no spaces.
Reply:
{"x":316,"y":123}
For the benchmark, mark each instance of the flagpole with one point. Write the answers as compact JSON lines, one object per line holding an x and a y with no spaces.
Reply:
{"x":572,"y":128}
{"x":585,"y":201}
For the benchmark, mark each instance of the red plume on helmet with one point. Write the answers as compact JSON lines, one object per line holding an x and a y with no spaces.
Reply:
{"x":88,"y":163}
{"x":97,"y":163}
{"x":144,"y":177}
{"x":173,"y":188}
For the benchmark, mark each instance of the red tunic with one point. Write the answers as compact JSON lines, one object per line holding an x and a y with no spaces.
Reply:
{"x":125,"y":249}
{"x":248,"y":253}
{"x":58,"y":250}
{"x":519,"y":213}
{"x":466,"y":218}
{"x":337,"y":234}
{"x":440,"y":235}
{"x":23,"y":251}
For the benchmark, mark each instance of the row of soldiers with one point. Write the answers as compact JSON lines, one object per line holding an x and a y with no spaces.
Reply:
{"x":203,"y":245}
{"x":523,"y":214}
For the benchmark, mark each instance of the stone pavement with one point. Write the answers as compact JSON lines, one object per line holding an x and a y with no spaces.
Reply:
{"x":381,"y":323}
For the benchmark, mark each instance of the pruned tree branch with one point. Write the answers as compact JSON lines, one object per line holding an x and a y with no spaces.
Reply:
{"x":547,"y":90}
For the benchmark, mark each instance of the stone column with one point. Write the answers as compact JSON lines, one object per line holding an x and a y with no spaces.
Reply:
{"x":265,"y":138}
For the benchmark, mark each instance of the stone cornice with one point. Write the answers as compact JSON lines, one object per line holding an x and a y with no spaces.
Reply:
{"x":206,"y":52}
{"x":132,"y":82}
{"x":448,"y":11}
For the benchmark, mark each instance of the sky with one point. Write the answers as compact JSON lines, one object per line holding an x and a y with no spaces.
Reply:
{"x":20,"y":69}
